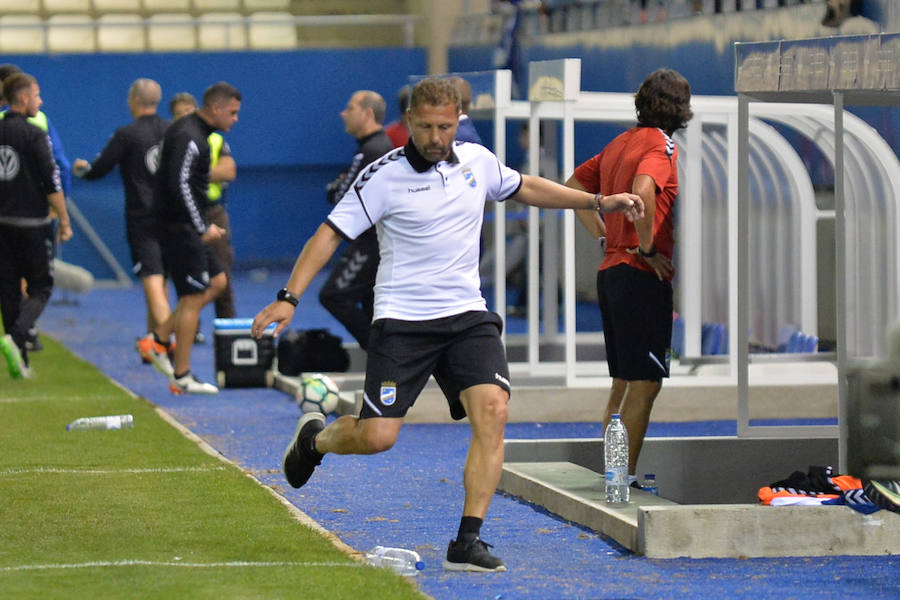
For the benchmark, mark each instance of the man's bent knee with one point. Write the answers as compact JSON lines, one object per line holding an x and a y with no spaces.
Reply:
{"x":377,"y":435}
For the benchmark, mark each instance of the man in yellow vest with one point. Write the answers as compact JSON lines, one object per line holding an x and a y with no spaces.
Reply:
{"x":223,"y":170}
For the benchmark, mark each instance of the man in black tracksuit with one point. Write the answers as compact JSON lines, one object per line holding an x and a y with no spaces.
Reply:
{"x":29,"y":186}
{"x":349,"y":293}
{"x":135,"y":149}
{"x":179,"y":198}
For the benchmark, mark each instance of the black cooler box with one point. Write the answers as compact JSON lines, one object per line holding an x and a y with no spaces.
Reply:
{"x":241,"y":360}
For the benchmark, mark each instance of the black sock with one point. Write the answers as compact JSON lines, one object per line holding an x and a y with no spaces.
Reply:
{"x":310,"y":448}
{"x":159,"y":341}
{"x":179,"y":376}
{"x":469,"y":528}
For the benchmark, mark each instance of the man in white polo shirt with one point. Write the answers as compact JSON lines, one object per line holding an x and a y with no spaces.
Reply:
{"x":426,"y":201}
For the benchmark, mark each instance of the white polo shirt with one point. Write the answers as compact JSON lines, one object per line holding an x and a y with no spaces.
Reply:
{"x":428,"y":218}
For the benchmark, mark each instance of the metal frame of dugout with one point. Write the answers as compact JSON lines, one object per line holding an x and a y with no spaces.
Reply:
{"x":854,"y":70}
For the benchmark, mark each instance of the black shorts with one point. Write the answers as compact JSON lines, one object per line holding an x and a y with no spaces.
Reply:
{"x":143,"y":240}
{"x":460,"y":351}
{"x":189,"y":261}
{"x":637,"y":322}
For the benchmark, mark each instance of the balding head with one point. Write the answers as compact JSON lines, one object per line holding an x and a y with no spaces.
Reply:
{"x":465,"y":92}
{"x":143,"y":97}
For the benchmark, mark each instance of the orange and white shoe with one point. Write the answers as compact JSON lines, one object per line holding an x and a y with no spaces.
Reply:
{"x":156,"y":353}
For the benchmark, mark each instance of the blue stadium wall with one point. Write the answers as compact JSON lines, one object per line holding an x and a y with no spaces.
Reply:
{"x":289,"y":142}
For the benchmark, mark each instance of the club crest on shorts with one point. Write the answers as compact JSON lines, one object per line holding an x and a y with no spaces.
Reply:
{"x":470,"y":177}
{"x":388,"y":393}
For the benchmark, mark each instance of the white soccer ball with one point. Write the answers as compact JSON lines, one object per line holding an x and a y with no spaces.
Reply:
{"x":318,"y":393}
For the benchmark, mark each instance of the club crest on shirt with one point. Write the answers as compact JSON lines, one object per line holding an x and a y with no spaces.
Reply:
{"x":388,"y":393}
{"x":469,"y":177}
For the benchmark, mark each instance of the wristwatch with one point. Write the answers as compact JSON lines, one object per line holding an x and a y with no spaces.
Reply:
{"x":285,"y":296}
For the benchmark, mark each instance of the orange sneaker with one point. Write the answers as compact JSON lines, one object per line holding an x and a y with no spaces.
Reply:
{"x":156,"y":353}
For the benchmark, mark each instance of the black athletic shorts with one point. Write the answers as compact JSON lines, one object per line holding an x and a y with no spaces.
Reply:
{"x":637,"y":322}
{"x":460,"y":351}
{"x":143,"y":240}
{"x":190,"y":263}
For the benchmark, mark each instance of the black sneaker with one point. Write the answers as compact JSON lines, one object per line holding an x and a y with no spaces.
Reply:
{"x":299,"y":461}
{"x":472,"y":556}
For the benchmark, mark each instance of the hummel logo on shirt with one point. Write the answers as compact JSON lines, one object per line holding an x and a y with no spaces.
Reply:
{"x":414,"y":190}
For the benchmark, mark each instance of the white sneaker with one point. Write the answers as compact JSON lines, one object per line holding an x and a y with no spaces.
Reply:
{"x":157,"y":353}
{"x":188,"y":384}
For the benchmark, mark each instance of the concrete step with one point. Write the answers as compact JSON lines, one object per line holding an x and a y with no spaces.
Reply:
{"x":659,"y":528}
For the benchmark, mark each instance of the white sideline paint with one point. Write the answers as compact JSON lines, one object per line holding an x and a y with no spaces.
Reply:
{"x":5,"y":472}
{"x":163,"y":563}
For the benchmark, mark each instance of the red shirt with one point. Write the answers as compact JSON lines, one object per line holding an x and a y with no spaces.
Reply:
{"x":398,"y":133}
{"x":638,"y":151}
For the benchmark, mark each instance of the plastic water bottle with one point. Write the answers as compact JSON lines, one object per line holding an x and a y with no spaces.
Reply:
{"x":107,"y":422}
{"x":649,"y":484}
{"x":615,"y":446}
{"x":399,"y":560}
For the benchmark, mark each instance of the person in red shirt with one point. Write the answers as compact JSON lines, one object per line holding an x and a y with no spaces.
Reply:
{"x":634,"y":282}
{"x":398,"y":130}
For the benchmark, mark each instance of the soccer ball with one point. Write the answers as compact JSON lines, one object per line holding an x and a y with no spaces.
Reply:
{"x":318,"y":393}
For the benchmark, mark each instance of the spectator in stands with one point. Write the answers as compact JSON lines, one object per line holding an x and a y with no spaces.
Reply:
{"x":634,"y":286}
{"x":29,"y":187}
{"x":349,"y":292}
{"x":466,"y":131}
{"x":180,"y":193}
{"x":428,"y":200}
{"x":135,"y":149}
{"x":398,"y":130}
{"x":223,"y":170}
{"x":59,"y":156}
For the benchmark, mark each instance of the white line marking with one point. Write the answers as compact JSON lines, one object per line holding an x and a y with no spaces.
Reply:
{"x":108,"y":471}
{"x":155,"y":563}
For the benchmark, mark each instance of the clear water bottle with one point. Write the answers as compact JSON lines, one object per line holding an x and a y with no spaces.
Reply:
{"x":107,"y":422}
{"x":615,"y":446}
{"x":649,"y":484}
{"x":399,"y":560}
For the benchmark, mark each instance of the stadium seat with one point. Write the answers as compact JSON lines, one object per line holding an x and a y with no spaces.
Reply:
{"x":811,"y":344}
{"x":222,"y":31}
{"x":167,"y":6}
{"x":264,"y":5}
{"x":272,"y":30}
{"x":171,"y":31}
{"x":217,"y":5}
{"x":784,"y":335}
{"x":20,"y":6}
{"x":120,"y":33}
{"x":711,"y":336}
{"x":70,"y":33}
{"x":678,"y":336}
{"x":110,"y":6}
{"x":21,"y":34}
{"x":55,"y":7}
{"x":795,"y":342}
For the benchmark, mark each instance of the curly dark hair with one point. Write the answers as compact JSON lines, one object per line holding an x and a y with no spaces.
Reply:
{"x":434,"y":91}
{"x":664,"y":101}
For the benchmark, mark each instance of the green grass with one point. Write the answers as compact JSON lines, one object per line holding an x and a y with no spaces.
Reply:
{"x":147,"y":496}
